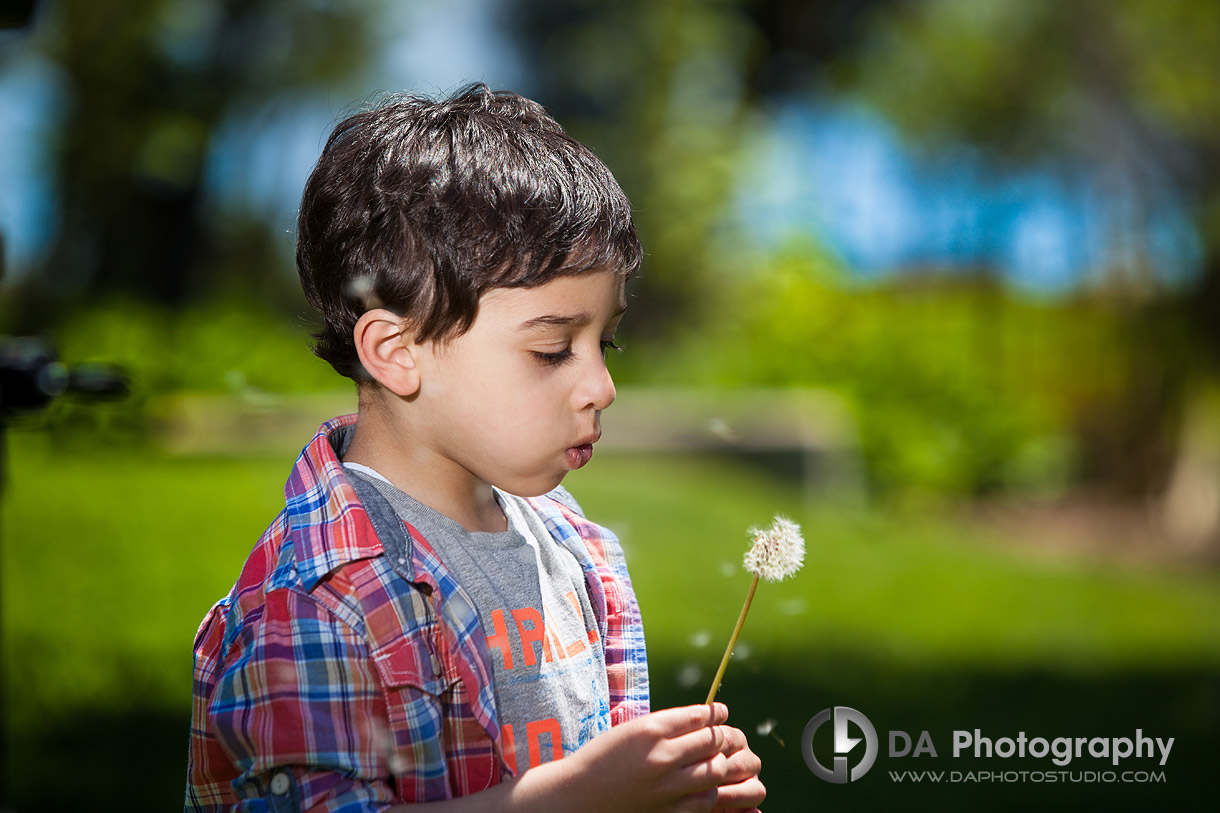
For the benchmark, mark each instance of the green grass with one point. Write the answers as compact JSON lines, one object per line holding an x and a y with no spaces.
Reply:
{"x":918,"y":589}
{"x":111,"y":556}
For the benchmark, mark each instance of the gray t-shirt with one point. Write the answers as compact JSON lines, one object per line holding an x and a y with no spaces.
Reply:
{"x":548,"y":663}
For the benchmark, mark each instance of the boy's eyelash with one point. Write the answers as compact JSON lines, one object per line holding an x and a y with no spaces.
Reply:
{"x":552,"y":359}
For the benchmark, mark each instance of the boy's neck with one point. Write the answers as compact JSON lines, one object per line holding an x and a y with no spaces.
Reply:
{"x":411,"y":467}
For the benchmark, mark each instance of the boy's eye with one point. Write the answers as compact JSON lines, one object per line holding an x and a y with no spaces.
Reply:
{"x":561,"y":356}
{"x":552,"y":359}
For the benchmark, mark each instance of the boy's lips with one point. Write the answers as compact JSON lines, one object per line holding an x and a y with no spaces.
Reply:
{"x":582,"y":453}
{"x":578,"y":456}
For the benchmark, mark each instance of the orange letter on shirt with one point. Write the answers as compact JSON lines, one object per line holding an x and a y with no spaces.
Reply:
{"x":532,"y":636}
{"x":500,"y":639}
{"x":534,"y":732}
{"x":510,"y":750}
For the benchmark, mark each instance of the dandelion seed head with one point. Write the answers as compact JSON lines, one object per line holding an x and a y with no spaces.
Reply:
{"x":777,"y":552}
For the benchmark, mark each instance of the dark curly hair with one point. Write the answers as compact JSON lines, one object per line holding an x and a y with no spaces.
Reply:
{"x":421,"y":206}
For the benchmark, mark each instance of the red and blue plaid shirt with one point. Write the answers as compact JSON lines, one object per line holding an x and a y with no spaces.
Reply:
{"x":347,"y":669}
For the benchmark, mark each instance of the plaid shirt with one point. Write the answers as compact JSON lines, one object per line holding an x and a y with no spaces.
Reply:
{"x":347,"y":669}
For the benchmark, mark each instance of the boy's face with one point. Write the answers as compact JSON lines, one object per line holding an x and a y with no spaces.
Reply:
{"x":516,"y":400}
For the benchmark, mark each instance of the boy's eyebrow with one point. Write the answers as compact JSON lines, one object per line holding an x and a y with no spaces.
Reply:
{"x":556,"y":320}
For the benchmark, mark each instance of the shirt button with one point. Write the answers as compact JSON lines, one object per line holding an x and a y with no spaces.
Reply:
{"x":436,"y":665}
{"x":280,"y":783}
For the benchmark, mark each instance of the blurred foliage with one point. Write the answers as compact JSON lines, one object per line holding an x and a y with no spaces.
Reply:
{"x":234,"y":347}
{"x":222,"y":346}
{"x":145,"y":85}
{"x":960,"y":387}
{"x":1125,"y":94}
{"x":1132,"y":84}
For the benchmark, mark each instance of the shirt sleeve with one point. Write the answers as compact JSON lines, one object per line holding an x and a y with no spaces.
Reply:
{"x":299,"y":710}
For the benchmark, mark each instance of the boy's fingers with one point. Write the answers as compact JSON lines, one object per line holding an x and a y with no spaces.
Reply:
{"x":734,"y":739}
{"x":747,"y":794}
{"x":683,"y":719}
{"x":742,"y":769}
{"x":743,"y":763}
{"x":696,"y":746}
{"x":696,"y":802}
{"x":706,"y":775}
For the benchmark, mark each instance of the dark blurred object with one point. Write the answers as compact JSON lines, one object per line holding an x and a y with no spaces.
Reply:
{"x":31,"y":376}
{"x":16,"y":13}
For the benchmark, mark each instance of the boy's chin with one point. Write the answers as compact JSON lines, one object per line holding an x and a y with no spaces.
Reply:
{"x":534,"y":487}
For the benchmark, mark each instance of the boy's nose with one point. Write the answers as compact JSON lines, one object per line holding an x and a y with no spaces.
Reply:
{"x":597,"y":387}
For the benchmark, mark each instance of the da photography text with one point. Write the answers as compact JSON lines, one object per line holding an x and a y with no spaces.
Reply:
{"x":845,"y":761}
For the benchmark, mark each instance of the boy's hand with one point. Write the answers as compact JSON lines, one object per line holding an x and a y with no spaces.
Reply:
{"x":742,"y":787}
{"x":679,"y":759}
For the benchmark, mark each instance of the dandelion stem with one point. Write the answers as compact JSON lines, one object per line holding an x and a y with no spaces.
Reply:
{"x":728,"y":652}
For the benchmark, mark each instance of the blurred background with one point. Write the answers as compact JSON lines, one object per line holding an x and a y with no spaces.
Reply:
{"x":939,"y":279}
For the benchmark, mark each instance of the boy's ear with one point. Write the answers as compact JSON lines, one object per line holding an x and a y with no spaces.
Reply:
{"x":385,"y":350}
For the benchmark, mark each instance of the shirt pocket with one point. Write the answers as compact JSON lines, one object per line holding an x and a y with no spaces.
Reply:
{"x":411,"y":661}
{"x":422,"y":704}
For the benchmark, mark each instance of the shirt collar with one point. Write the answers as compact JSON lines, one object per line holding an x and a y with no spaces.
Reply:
{"x":327,"y":523}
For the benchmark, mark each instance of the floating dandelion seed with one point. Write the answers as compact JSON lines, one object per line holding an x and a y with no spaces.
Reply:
{"x":361,"y":289}
{"x":796,"y":606}
{"x":689,"y":675}
{"x":777,"y":553}
{"x":767,"y":729}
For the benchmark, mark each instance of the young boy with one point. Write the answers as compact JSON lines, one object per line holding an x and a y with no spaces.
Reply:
{"x":431,"y":618}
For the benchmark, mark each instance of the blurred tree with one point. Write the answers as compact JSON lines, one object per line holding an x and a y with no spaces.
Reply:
{"x":146,"y":83}
{"x":1125,"y":94}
